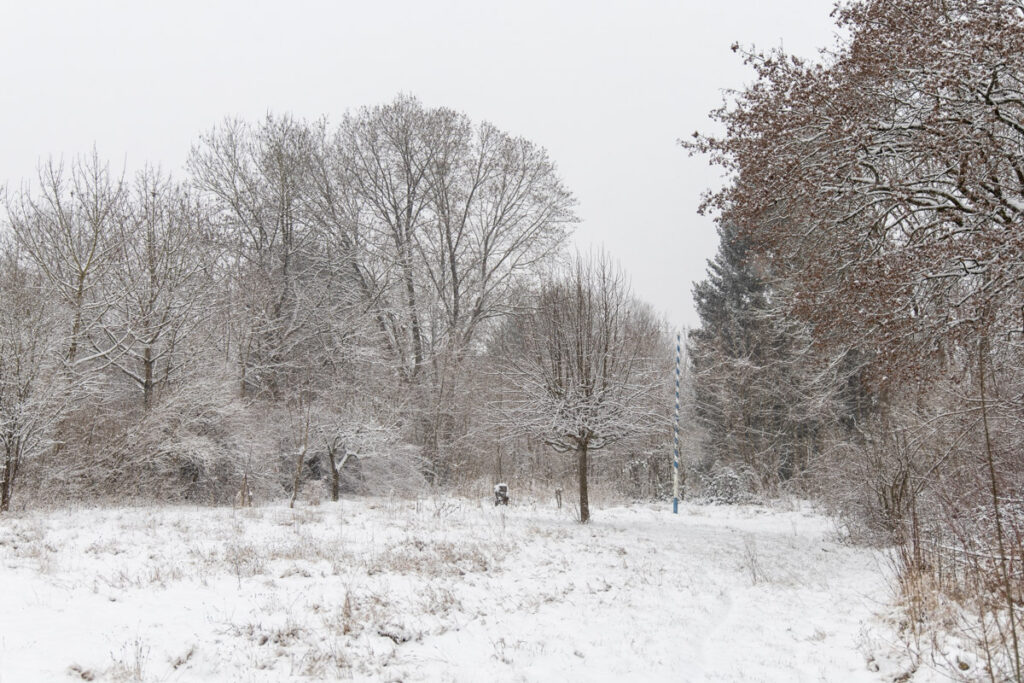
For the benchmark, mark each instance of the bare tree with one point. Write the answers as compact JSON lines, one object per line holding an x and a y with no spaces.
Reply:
{"x":451,"y":216}
{"x":156,"y":293}
{"x":256,"y":177}
{"x":31,"y":384}
{"x":296,"y":258}
{"x":385,"y":154}
{"x":583,"y":360}
{"x":346,"y":433}
{"x":66,"y":229}
{"x":300,"y":423}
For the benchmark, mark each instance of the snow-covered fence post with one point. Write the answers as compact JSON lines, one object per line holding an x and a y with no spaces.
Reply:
{"x":675,"y":429}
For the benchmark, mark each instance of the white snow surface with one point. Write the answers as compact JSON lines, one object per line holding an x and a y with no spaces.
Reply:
{"x":438,"y":589}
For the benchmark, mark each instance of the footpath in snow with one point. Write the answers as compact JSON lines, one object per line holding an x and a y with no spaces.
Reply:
{"x":436,"y":590}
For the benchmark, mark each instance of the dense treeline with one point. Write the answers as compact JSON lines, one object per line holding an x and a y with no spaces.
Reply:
{"x":862,"y":322}
{"x":308,"y":302}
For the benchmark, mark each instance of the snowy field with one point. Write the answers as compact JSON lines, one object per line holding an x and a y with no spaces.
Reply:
{"x":437,"y":590}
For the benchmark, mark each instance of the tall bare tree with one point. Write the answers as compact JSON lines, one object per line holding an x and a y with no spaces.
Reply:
{"x":453,"y":216}
{"x":157,"y":292}
{"x":257,"y":178}
{"x":67,"y":227}
{"x":31,"y":380}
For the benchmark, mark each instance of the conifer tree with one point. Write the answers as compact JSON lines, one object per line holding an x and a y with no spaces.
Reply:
{"x":758,"y":394}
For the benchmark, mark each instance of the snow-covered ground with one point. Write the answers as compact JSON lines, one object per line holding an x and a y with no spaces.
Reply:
{"x":439,"y":590}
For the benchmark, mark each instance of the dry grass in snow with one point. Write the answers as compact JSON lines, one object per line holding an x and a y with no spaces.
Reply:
{"x":436,"y":589}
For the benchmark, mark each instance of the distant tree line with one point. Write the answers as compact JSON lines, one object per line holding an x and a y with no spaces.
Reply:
{"x":306,"y":292}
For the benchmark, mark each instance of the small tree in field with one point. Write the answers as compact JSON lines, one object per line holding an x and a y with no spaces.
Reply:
{"x":581,"y":361}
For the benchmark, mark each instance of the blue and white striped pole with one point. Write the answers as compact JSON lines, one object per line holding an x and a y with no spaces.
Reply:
{"x":675,"y":429}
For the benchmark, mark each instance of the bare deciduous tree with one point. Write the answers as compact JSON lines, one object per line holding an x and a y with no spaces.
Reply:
{"x":31,"y":382}
{"x":257,"y":178}
{"x":156,"y":292}
{"x":67,"y":229}
{"x":582,"y":359}
{"x":450,"y":217}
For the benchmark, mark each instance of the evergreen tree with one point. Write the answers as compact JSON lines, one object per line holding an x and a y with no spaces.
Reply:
{"x":755,"y":387}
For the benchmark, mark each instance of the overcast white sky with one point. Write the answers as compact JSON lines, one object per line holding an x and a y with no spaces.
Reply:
{"x":607,"y":87}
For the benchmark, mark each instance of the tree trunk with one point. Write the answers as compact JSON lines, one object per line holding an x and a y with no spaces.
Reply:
{"x":7,"y":482}
{"x":298,"y":476}
{"x":336,"y":466}
{"x":147,"y":377}
{"x":76,"y":327}
{"x":581,"y":463}
{"x":335,"y":480}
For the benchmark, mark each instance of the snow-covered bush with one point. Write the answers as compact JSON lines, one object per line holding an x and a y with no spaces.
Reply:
{"x":729,"y":485}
